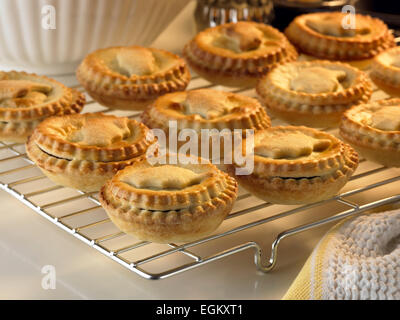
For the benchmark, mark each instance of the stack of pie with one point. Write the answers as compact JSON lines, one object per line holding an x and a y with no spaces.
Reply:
{"x":27,"y":99}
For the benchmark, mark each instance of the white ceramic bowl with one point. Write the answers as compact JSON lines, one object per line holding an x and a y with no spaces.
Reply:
{"x":27,"y":41}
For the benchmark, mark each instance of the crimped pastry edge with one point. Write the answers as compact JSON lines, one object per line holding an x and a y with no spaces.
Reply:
{"x":104,"y":83}
{"x":84,"y":175}
{"x":44,"y":110}
{"x":154,"y":117}
{"x":386,"y":75}
{"x":313,"y":116}
{"x":311,"y":42}
{"x":214,"y":183}
{"x":228,"y":195}
{"x":168,"y":226}
{"x":19,"y":130}
{"x":58,"y":147}
{"x":295,"y":191}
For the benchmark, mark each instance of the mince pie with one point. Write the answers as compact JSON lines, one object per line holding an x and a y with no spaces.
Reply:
{"x":374,"y":131}
{"x":26,"y":99}
{"x":385,"y":71}
{"x":330,"y":35}
{"x":84,"y":151}
{"x":168,"y":202}
{"x":196,"y":110}
{"x":295,"y":165}
{"x":237,"y":54}
{"x":131,"y":77}
{"x":313,"y":93}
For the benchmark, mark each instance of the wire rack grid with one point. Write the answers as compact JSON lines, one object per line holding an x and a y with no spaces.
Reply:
{"x":80,"y":214}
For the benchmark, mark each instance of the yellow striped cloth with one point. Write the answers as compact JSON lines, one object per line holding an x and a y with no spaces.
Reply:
{"x":358,"y":259}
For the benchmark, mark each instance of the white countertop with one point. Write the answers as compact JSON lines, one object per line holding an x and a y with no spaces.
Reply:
{"x":28,"y":242}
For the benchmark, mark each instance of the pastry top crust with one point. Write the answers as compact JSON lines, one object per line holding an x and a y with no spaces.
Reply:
{"x":28,"y":97}
{"x":386,"y":66}
{"x":134,"y":65}
{"x":93,"y":136}
{"x":330,"y":25}
{"x":299,"y":152}
{"x":170,"y":186}
{"x":249,"y":46}
{"x":206,"y":109}
{"x":241,"y":39}
{"x":378,"y":122}
{"x":315,"y":83}
{"x":322,"y":34}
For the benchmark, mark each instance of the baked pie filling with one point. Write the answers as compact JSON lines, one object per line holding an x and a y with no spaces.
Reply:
{"x":236,"y":53}
{"x":313,"y":93}
{"x":131,"y":77}
{"x":168,"y":202}
{"x":374,"y":130}
{"x":91,"y":145}
{"x":298,"y":165}
{"x":26,"y":99}
{"x":331,"y":35}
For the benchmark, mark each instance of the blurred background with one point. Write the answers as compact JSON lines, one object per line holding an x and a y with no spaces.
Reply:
{"x":52,"y":36}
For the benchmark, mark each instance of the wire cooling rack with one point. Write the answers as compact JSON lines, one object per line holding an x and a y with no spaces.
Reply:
{"x":81,"y":215}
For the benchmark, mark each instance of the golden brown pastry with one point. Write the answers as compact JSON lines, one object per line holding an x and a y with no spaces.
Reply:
{"x":322,"y":35}
{"x":196,"y":110}
{"x":84,"y":151}
{"x":385,"y":71}
{"x":295,"y":165}
{"x":237,"y":54}
{"x":131,"y":77}
{"x":26,"y":99}
{"x":167,"y":203}
{"x":374,"y":131}
{"x":314,"y":93}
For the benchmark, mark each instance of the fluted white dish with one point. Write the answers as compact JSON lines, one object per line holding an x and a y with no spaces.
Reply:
{"x":81,"y":26}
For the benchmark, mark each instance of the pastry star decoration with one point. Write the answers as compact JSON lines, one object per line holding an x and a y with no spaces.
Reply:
{"x":244,"y":37}
{"x":289,"y":145}
{"x":332,"y":26}
{"x":98,"y":132}
{"x":201,"y":104}
{"x":163,"y":177}
{"x":318,"y":80}
{"x":136,"y":61}
{"x":22,"y":93}
{"x":387,"y":118}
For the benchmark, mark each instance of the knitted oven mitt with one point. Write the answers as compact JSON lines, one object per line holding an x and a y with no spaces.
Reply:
{"x":358,"y":259}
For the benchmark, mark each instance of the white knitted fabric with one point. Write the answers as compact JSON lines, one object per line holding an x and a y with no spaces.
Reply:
{"x":362,"y":259}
